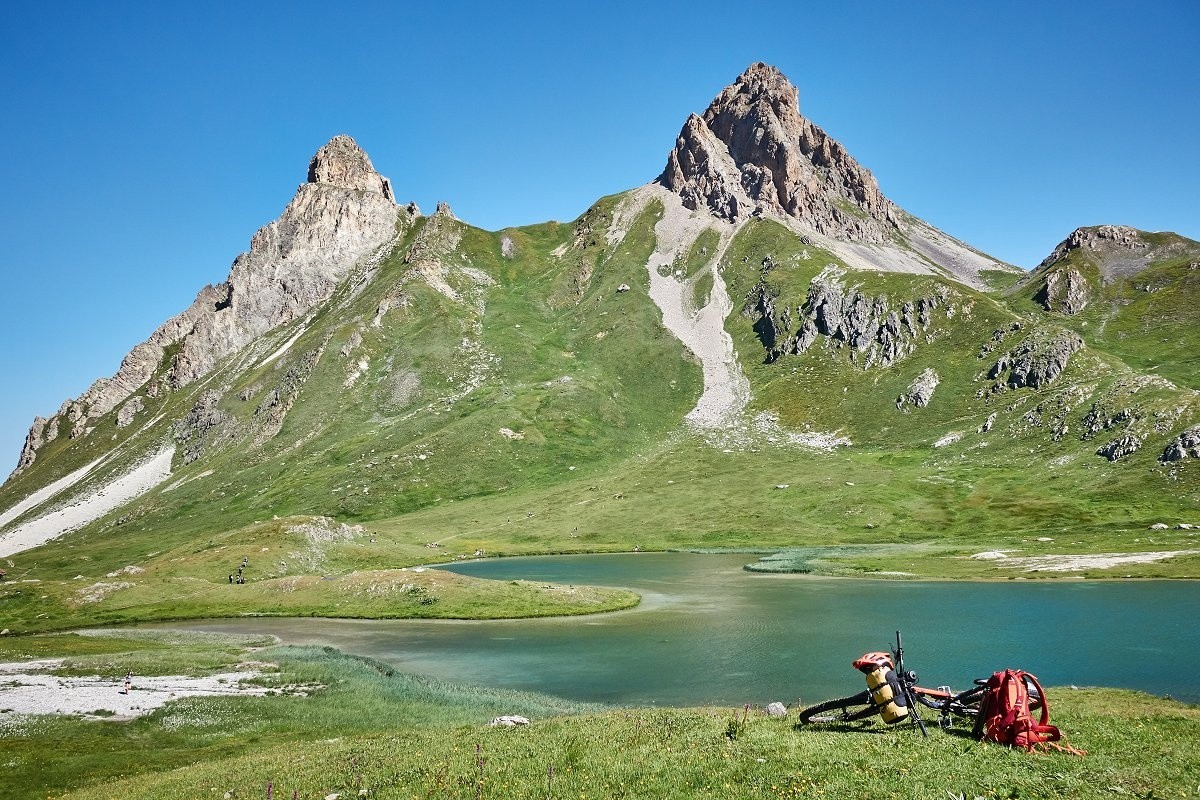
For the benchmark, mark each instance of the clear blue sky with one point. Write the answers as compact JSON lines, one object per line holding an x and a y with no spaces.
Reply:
{"x":144,"y":143}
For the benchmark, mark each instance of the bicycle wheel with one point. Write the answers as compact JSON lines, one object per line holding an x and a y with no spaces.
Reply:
{"x":844,"y":709}
{"x":967,"y":704}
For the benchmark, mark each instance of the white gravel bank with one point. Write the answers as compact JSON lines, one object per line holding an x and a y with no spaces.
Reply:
{"x":140,"y":479}
{"x":26,"y":688}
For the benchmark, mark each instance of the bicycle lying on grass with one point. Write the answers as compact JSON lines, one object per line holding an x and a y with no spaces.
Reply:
{"x":892,"y":693}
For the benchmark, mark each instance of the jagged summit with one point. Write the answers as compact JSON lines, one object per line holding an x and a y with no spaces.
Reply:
{"x":345,"y":211}
{"x":341,"y":162}
{"x":753,"y":151}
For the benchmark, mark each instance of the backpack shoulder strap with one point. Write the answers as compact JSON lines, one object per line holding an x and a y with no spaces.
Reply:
{"x":1033,"y":681}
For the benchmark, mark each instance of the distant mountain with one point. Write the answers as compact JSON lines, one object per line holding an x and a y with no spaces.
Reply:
{"x":761,"y":307}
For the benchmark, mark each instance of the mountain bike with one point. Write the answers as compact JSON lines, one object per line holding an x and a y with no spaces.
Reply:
{"x":886,"y":671}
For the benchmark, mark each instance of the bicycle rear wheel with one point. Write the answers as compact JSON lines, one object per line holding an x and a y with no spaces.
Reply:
{"x":844,"y":709}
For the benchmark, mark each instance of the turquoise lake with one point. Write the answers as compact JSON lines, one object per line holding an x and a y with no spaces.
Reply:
{"x":708,"y":632}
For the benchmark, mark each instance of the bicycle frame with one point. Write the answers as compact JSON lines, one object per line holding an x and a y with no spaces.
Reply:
{"x":942,"y":699}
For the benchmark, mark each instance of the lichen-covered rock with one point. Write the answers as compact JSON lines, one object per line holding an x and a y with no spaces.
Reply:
{"x":920,"y":391}
{"x":1185,"y":445}
{"x":1120,"y":447}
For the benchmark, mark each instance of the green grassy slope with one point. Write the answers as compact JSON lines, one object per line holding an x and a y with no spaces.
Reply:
{"x":1149,"y":319}
{"x":495,"y":392}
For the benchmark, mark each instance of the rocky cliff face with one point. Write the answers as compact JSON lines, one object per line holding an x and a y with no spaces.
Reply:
{"x":345,"y":212}
{"x":752,"y":150}
{"x":878,"y":330}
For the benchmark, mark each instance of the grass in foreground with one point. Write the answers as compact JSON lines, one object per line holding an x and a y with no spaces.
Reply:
{"x":376,"y":733}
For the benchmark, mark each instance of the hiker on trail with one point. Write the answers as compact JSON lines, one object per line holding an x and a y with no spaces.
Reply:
{"x":128,"y":682}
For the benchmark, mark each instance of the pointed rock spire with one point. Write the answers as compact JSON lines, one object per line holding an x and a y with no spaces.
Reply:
{"x":753,"y":151}
{"x":341,"y":162}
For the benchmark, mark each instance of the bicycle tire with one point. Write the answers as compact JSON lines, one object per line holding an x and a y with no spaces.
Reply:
{"x":844,"y":709}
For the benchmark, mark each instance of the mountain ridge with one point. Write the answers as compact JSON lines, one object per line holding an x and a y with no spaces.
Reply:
{"x":359,"y":342}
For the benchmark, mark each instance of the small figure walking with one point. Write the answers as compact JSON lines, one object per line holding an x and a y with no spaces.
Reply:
{"x":231,"y":577}
{"x":128,"y":682}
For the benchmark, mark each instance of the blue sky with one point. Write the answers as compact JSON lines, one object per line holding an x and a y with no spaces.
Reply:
{"x":144,"y":143}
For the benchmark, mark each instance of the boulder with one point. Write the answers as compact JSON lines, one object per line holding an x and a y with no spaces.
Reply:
{"x":920,"y":391}
{"x":775,"y":709}
{"x":508,"y":721}
{"x":1120,"y":447}
{"x":1185,"y":445}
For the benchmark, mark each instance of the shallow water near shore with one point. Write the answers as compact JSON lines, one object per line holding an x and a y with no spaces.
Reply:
{"x":708,"y":632}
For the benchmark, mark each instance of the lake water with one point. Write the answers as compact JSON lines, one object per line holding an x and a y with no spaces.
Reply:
{"x":709,"y":632}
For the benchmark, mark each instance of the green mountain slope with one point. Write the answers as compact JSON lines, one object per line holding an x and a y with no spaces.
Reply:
{"x":663,"y":372}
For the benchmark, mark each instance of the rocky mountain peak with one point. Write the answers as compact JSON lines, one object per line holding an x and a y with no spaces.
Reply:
{"x":344,"y":213}
{"x":341,"y":162}
{"x":752,"y":152}
{"x":1097,"y":238}
{"x":1118,"y":251}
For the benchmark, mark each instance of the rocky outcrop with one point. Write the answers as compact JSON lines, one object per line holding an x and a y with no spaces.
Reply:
{"x":33,"y":441}
{"x":1117,"y":251}
{"x":920,"y":391}
{"x":1037,"y":360}
{"x":878,"y":331}
{"x":278,"y":401}
{"x":752,"y":150}
{"x":345,"y":212}
{"x":205,"y":425}
{"x":1185,"y":445}
{"x":1102,"y":416}
{"x":1120,"y":447}
{"x":134,"y":406}
{"x":1065,"y":291}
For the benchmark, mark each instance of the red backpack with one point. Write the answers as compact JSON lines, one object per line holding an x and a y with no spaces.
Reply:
{"x":1005,"y":715}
